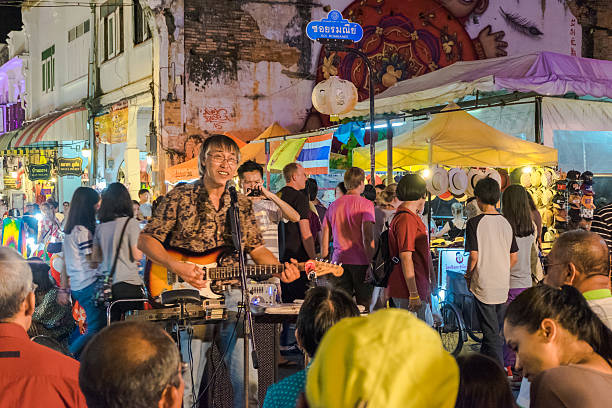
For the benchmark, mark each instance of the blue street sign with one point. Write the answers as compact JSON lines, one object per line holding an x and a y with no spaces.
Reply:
{"x":334,"y":27}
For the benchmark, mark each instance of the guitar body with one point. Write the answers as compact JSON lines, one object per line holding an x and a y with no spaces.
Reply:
{"x":158,"y":279}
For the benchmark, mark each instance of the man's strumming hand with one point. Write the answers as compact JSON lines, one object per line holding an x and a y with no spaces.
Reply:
{"x":192,"y":274}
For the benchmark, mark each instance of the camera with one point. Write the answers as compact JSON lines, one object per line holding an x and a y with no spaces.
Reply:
{"x":255,"y":192}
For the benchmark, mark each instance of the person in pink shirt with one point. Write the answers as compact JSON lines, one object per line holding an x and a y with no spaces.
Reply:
{"x":350,"y":219}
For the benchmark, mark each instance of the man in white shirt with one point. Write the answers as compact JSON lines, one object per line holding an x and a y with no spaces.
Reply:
{"x":269,"y":209}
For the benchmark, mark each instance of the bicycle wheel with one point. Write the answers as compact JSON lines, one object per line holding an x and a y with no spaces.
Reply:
{"x":475,"y":335}
{"x":451,"y":330}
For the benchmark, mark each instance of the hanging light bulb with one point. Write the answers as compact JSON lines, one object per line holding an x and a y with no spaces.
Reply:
{"x":527,"y":169}
{"x":13,"y":174}
{"x":426,"y":173}
{"x":86,"y":152}
{"x":149,"y":159}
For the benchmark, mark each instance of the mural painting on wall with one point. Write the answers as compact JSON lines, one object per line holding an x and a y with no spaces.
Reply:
{"x":405,"y":39}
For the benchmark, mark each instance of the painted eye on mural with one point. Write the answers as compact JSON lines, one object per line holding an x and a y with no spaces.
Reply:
{"x":521,"y":24}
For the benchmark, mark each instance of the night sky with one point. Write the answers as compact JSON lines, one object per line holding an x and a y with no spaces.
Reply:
{"x":10,"y":18}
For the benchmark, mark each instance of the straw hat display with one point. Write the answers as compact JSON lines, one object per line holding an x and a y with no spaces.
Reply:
{"x":492,"y":173}
{"x":457,"y":181}
{"x":535,"y":176}
{"x":474,"y":176}
{"x":526,"y":180}
{"x":437,"y":183}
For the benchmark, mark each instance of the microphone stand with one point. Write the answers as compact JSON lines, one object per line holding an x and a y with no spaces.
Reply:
{"x":246,"y":302}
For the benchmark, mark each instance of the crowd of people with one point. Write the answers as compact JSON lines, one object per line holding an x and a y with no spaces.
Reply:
{"x":555,"y":333}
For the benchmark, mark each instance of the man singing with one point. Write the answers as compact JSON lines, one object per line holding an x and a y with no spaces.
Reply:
{"x":194,"y":217}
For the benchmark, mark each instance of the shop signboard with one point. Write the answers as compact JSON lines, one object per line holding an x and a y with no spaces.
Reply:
{"x":69,"y":167}
{"x":10,"y":183}
{"x":39,"y":171}
{"x":334,"y":27}
{"x":112,"y":127}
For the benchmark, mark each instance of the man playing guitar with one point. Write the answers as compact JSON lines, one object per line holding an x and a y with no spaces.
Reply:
{"x":193,"y":217}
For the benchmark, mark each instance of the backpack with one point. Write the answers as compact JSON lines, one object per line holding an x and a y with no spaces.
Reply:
{"x":382,"y":263}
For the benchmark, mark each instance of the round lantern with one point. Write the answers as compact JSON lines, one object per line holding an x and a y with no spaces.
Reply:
{"x":334,"y":96}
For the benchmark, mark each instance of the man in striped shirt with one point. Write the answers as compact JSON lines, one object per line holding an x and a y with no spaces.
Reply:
{"x":602,"y":223}
{"x":269,"y":209}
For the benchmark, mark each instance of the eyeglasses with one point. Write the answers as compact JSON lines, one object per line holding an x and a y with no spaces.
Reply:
{"x":546,"y":264}
{"x":218,"y":158}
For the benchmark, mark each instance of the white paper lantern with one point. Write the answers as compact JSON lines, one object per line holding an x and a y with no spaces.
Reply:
{"x":334,"y":96}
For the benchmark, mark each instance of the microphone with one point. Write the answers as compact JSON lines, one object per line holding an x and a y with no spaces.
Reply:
{"x":230,"y":187}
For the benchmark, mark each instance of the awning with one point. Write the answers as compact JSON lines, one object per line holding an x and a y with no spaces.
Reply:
{"x":5,"y":139}
{"x":456,"y":138}
{"x":545,"y":73}
{"x":185,"y":171}
{"x":60,"y":126}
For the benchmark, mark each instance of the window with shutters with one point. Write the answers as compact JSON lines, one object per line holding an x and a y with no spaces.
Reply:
{"x":111,"y":22}
{"x":77,"y":57}
{"x":48,"y":69}
{"x":141,"y":28}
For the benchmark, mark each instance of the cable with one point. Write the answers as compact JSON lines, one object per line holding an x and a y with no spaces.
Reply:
{"x":212,"y":377}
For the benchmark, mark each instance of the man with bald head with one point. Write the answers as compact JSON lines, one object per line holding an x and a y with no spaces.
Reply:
{"x":132,"y":364}
{"x":31,"y":375}
{"x":580,"y":258}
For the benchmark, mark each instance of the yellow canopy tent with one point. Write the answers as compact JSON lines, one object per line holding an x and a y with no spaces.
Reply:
{"x":257,"y":151}
{"x":456,"y":138}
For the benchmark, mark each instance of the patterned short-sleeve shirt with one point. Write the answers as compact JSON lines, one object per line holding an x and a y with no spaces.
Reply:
{"x":186,"y":219}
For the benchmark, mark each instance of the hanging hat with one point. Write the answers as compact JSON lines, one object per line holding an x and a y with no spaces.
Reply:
{"x":535,"y":177}
{"x":559,"y":200}
{"x":561,"y":185}
{"x":587,"y":189}
{"x":461,"y":198}
{"x":573,"y":175}
{"x":515,"y":176}
{"x":587,"y":177}
{"x":546,"y":178}
{"x":474,"y":176}
{"x":457,"y":181}
{"x":547,"y":217}
{"x":575,"y":200}
{"x":586,"y":213}
{"x":560,"y":215}
{"x":526,"y":180}
{"x":447,"y":196}
{"x":505,"y":178}
{"x":537,"y":196}
{"x":547,"y":196}
{"x":492,"y":173}
{"x":587,"y":202}
{"x":437,"y":183}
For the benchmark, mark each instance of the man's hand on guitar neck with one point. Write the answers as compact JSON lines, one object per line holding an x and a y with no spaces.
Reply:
{"x":190,"y":273}
{"x":291,"y":272}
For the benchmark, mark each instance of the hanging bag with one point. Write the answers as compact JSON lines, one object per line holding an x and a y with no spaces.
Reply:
{"x":104,"y":285}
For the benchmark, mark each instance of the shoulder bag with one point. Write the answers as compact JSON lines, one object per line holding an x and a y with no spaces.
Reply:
{"x":104,"y":285}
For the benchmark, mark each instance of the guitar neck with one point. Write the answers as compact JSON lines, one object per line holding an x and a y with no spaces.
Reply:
{"x":232,"y":272}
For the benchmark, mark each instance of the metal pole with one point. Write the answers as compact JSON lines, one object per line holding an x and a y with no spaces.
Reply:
{"x":538,"y":119}
{"x":389,"y":153}
{"x":267,"y":150}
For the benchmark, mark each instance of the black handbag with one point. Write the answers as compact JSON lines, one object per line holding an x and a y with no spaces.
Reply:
{"x":104,"y":285}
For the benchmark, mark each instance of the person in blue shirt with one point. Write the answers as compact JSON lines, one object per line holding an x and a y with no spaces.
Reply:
{"x":322,"y":308}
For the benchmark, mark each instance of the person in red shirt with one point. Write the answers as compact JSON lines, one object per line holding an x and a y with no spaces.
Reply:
{"x":412,"y":280}
{"x":31,"y":375}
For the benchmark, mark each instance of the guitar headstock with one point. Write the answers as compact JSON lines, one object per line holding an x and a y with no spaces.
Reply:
{"x":323,"y":267}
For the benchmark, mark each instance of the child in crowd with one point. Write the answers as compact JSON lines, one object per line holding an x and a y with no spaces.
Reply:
{"x":493,"y":252}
